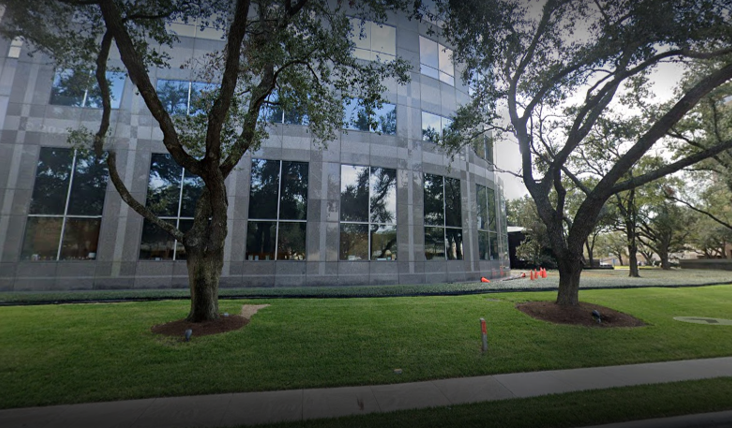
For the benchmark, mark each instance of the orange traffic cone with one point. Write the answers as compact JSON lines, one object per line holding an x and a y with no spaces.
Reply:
{"x":531,"y":272}
{"x":544,"y":273}
{"x":484,"y":279}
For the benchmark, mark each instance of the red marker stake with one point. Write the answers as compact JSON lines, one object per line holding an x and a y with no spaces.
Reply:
{"x":484,"y":331}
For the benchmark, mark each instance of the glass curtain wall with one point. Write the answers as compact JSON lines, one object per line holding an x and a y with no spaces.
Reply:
{"x":172,"y":193}
{"x":66,"y":207}
{"x":443,"y":234}
{"x":277,"y":210}
{"x":368,"y":213}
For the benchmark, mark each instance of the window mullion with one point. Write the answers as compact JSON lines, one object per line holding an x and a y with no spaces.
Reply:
{"x":66,"y":206}
{"x":277,"y":220}
{"x":180,"y":203}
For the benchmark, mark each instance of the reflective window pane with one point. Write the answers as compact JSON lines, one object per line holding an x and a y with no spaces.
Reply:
{"x":360,"y":34}
{"x":192,"y":189}
{"x":429,"y":71}
{"x":454,"y":244}
{"x":434,"y":243}
{"x":494,"y":246}
{"x":453,"y":204}
{"x":428,"y":52}
{"x":202,"y":96}
{"x":174,"y":95}
{"x":431,"y":126}
{"x":264,"y":189}
{"x":383,"y":39}
{"x":383,"y":195}
{"x":355,"y":116}
{"x":261,"y":237}
{"x":354,"y":193}
{"x":386,"y":119}
{"x":383,"y":242}
{"x":80,"y":239}
{"x":156,"y":244}
{"x":163,"y":189}
{"x":272,"y":112}
{"x":484,"y":243}
{"x":89,"y":186}
{"x":482,"y":207}
{"x":53,"y":175}
{"x":354,"y":242}
{"x":294,"y":191}
{"x":116,"y":81}
{"x":291,"y":241}
{"x":491,"y":199}
{"x":434,"y":205}
{"x":69,"y":88}
{"x":446,"y":65}
{"x":41,"y":239}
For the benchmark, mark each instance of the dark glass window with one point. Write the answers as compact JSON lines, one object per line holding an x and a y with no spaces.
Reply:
{"x":382,"y":121}
{"x":273,"y":112}
{"x":66,"y":208}
{"x":442,"y":218}
{"x":368,"y":213}
{"x":181,"y":97}
{"x":172,"y":194}
{"x":434,"y":126}
{"x":486,"y":217}
{"x":484,"y":149}
{"x":278,"y":199}
{"x":80,"y":89}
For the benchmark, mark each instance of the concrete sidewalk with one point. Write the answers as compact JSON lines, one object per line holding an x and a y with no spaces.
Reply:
{"x":251,"y":408}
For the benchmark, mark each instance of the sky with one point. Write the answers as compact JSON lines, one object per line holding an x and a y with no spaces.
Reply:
{"x":508,"y":158}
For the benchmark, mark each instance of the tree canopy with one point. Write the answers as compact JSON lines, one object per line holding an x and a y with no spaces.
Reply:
{"x":296,"y":56}
{"x":556,"y":67}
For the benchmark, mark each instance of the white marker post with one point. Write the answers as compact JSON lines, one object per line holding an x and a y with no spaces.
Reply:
{"x":484,"y":331}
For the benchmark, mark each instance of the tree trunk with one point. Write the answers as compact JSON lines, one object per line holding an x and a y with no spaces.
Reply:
{"x":204,"y":271}
{"x":633,"y":272}
{"x":570,"y":269}
{"x":665,"y":264}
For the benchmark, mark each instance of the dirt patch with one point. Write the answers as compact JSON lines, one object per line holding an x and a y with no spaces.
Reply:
{"x":580,"y":315}
{"x":206,"y":328}
{"x":248,"y":310}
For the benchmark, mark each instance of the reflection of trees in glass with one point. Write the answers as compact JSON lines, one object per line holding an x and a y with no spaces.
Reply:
{"x":174,"y":95}
{"x":434,"y":204}
{"x":386,"y":119}
{"x":453,"y":203}
{"x":442,"y":209}
{"x":354,"y":194}
{"x":52,"y":181}
{"x":382,"y":119}
{"x":163,"y":190}
{"x":294,"y":192}
{"x":165,"y":199}
{"x":68,"y":196}
{"x":80,"y":89}
{"x":368,"y":213}
{"x":265,"y":185}
{"x":283,"y":202}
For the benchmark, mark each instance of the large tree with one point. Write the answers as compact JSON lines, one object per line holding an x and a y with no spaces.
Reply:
{"x":292,"y":55}
{"x":555,"y":67}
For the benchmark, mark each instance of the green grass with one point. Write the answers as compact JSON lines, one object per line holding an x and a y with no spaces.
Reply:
{"x":94,"y":352}
{"x":558,"y":411}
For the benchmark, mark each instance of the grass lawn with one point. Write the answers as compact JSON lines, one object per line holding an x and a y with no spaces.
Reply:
{"x":557,"y":411}
{"x":95,"y":352}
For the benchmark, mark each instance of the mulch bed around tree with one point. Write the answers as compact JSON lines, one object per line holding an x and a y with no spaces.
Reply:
{"x":221,"y":325}
{"x":579,"y":315}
